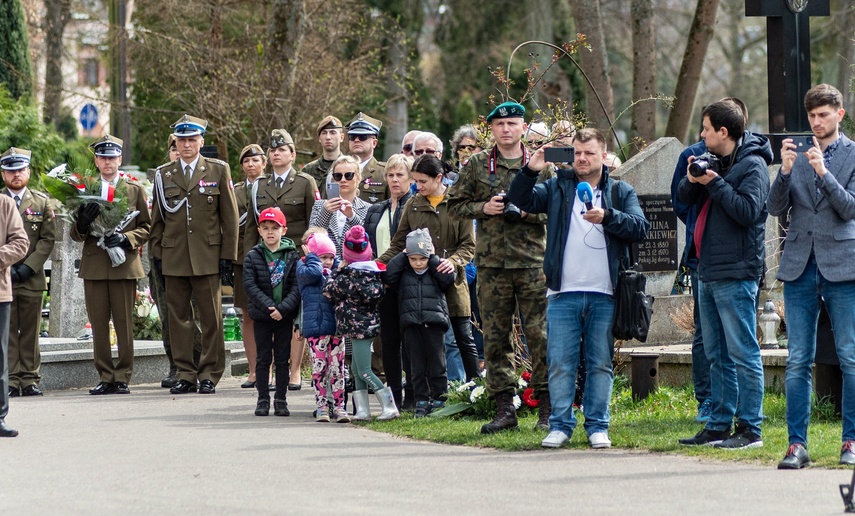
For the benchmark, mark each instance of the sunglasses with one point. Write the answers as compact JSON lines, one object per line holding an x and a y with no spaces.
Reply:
{"x":356,"y":246}
{"x":347,"y":175}
{"x":422,"y":151}
{"x":467,"y":147}
{"x":360,"y":137}
{"x":407,"y":148}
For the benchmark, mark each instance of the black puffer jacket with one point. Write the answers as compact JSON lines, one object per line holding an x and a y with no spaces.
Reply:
{"x":256,"y":283}
{"x":372,"y":219}
{"x":421,"y":297}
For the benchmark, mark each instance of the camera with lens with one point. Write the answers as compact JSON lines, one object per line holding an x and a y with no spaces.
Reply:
{"x":704,"y":162}
{"x":511,"y":212}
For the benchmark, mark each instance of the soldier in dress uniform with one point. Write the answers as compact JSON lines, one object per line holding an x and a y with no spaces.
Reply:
{"x":194,"y":236}
{"x":109,"y":290}
{"x":28,"y":275}
{"x":362,"y":133}
{"x":294,"y":193}
{"x":330,"y":136}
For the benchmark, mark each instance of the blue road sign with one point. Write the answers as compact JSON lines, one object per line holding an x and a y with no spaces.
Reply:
{"x":89,"y":117}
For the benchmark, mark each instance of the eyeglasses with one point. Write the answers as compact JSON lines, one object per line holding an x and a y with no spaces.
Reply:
{"x":407,"y":148}
{"x":467,"y":147}
{"x":356,"y":246}
{"x":347,"y":175}
{"x":360,"y":137}
{"x":422,"y":151}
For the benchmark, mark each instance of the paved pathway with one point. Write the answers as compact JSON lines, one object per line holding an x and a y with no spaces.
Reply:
{"x":154,"y":453}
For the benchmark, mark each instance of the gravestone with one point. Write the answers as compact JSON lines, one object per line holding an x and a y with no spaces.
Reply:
{"x":67,"y":306}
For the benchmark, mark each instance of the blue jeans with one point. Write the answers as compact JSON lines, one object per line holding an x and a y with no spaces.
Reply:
{"x":454,"y":364}
{"x":729,"y":320}
{"x":570,"y":316}
{"x":801,"y":298}
{"x":700,"y":364}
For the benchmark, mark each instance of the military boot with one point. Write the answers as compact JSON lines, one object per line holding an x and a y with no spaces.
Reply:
{"x":544,"y":409}
{"x":170,"y":380}
{"x":506,"y":415}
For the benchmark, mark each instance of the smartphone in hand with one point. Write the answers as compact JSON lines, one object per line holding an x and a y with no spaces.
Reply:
{"x":559,"y":154}
{"x":803,"y":142}
{"x":333,"y":191}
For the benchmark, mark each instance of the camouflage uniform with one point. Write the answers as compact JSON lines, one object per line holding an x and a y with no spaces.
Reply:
{"x":509,"y":257}
{"x":319,"y":169}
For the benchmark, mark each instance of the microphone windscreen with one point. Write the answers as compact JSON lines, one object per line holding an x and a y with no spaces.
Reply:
{"x":585,"y":193}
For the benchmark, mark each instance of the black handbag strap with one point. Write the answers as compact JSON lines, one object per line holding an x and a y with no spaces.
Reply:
{"x":623,"y":266}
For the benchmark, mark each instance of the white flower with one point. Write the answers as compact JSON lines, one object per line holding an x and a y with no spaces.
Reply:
{"x":476,"y":393}
{"x":517,"y":401}
{"x":522,"y":383}
{"x":143,"y":310}
{"x":465,"y":387}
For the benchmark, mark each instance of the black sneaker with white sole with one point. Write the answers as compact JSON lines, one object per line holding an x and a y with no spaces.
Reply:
{"x":741,"y":439}
{"x":706,"y":438}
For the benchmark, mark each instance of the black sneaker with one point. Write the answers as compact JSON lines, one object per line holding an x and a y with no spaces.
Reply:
{"x":706,"y":438}
{"x":741,"y":439}
{"x":422,"y":408}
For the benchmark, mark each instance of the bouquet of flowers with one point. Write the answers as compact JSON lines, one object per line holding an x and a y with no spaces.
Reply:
{"x":73,"y":190}
{"x":471,"y":398}
{"x":147,"y":325}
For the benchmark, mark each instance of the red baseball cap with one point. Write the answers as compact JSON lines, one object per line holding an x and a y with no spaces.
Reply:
{"x":274,"y":214}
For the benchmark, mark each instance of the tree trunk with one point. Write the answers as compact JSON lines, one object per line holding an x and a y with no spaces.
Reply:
{"x":595,"y":64}
{"x":844,"y":71}
{"x":57,"y":13}
{"x":397,"y":118}
{"x":700,"y":35}
{"x":643,"y":74}
{"x":286,"y":30}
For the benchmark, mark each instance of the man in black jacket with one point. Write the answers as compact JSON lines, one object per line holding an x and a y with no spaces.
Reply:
{"x":729,"y":186}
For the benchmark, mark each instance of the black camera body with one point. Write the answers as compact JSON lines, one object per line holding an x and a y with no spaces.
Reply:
{"x":704,"y":162}
{"x":511,"y":212}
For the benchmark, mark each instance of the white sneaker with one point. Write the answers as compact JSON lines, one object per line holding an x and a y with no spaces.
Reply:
{"x":599,"y":440}
{"x":555,"y":439}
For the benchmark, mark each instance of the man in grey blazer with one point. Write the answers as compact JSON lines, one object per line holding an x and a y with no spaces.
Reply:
{"x":816,"y":184}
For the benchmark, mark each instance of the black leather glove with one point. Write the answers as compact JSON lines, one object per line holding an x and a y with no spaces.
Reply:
{"x":14,"y":274}
{"x":86,"y":215}
{"x":24,"y":272}
{"x":158,"y":266}
{"x":117,"y":240}
{"x":227,"y":273}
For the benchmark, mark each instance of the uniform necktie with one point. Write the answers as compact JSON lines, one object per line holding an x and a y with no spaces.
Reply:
{"x":188,"y":172}
{"x":279,"y":183}
{"x":18,"y":200}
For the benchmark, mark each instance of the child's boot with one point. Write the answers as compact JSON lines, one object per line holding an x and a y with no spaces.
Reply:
{"x":262,"y":408}
{"x":387,"y":401}
{"x":363,"y":411}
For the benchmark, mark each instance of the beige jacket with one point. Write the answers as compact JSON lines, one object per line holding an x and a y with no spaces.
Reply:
{"x":13,"y":244}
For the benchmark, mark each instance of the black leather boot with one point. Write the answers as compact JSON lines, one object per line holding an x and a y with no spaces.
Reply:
{"x":544,"y":409}
{"x":506,"y":415}
{"x":170,"y":380}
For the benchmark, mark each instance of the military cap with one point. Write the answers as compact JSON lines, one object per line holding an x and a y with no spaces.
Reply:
{"x":253,"y":149}
{"x":188,"y":126}
{"x":107,"y":147}
{"x":15,"y":159}
{"x":329,"y":122}
{"x":364,"y":124}
{"x":280,"y":137}
{"x":172,"y":140}
{"x":507,"y":110}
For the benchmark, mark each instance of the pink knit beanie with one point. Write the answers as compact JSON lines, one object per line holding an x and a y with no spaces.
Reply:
{"x":320,"y":244}
{"x":356,"y":246}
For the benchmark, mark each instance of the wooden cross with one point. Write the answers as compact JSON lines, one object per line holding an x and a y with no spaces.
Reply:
{"x":788,"y":58}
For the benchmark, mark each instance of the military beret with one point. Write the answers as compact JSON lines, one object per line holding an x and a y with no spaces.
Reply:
{"x":253,"y":149}
{"x":15,"y":159}
{"x":188,"y":126}
{"x":329,"y":122}
{"x":364,"y":124}
{"x":107,"y":147}
{"x":507,"y":110}
{"x":280,"y":137}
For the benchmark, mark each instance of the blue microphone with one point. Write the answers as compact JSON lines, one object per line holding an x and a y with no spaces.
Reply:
{"x":585,"y":194}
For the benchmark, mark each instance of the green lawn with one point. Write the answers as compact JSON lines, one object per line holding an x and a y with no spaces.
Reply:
{"x":654,"y":424}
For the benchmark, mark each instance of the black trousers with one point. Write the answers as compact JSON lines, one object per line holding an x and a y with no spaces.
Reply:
{"x":395,"y":359}
{"x":462,"y":327}
{"x":426,"y":347}
{"x":273,"y":342}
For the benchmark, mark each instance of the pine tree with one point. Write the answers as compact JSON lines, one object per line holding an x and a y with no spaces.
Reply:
{"x":15,"y":67}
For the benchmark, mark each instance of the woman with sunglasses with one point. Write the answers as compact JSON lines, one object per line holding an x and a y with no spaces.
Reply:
{"x":454,"y":244}
{"x":381,"y":223}
{"x":339,"y":213}
{"x":252,"y":161}
{"x":464,"y":144}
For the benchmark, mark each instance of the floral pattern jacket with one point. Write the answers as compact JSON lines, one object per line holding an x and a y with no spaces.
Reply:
{"x":355,"y":291}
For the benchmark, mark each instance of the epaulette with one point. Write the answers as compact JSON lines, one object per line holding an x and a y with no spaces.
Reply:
{"x":305,"y":175}
{"x":381,"y":163}
{"x":40,"y":194}
{"x":217,"y":161}
{"x":164,"y":165}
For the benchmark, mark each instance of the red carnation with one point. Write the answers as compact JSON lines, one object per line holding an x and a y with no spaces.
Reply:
{"x":526,"y":376}
{"x":527,"y":397}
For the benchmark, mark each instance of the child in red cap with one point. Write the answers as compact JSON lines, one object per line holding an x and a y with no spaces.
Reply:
{"x":273,"y":299}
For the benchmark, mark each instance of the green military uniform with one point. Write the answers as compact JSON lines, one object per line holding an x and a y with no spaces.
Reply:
{"x":319,"y":170}
{"x":373,"y":187}
{"x":109,"y":291}
{"x":26,"y":312}
{"x":295,"y":198}
{"x":509,"y":257}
